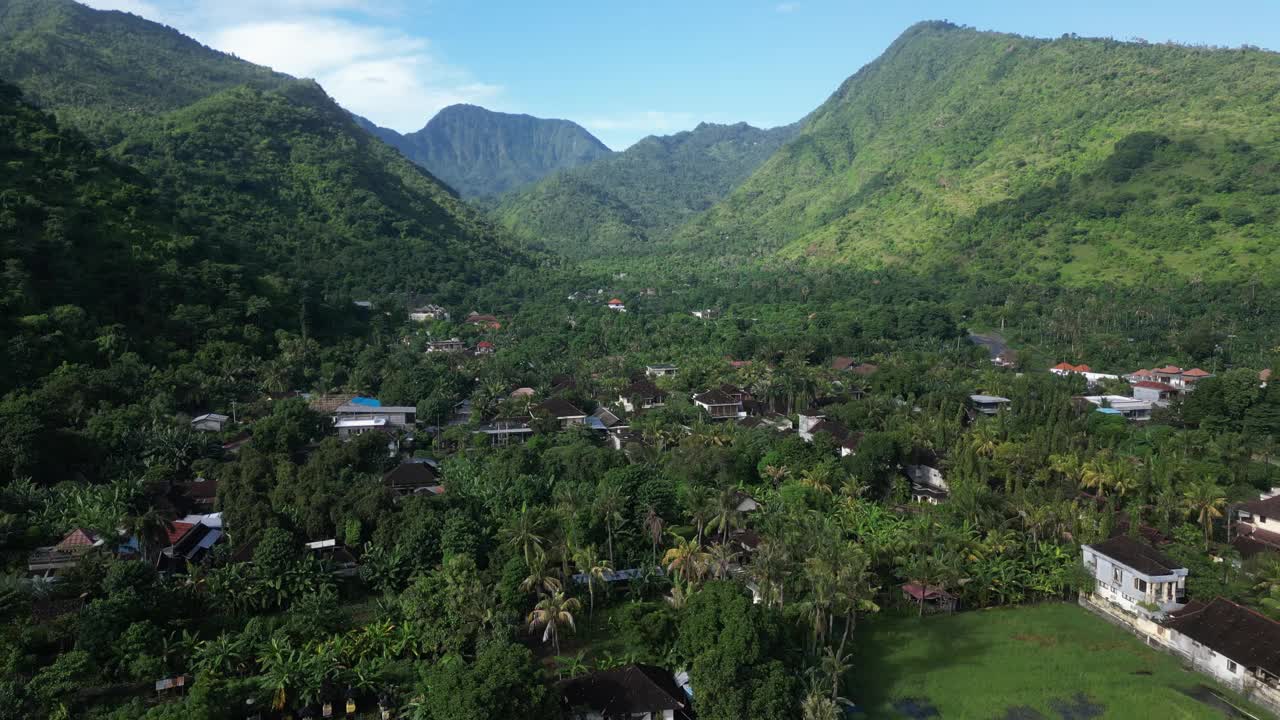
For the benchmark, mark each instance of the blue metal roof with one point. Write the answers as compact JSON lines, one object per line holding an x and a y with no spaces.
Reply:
{"x":367,"y":402}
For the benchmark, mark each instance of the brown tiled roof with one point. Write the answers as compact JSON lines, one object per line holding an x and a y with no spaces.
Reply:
{"x":411,"y":475}
{"x":714,"y":397}
{"x":641,"y":389}
{"x":625,"y":691}
{"x":842,"y":363}
{"x":328,"y":403}
{"x":558,"y":407}
{"x":1269,"y":507}
{"x":1135,"y":554}
{"x":1232,"y":630}
{"x":1151,"y":385}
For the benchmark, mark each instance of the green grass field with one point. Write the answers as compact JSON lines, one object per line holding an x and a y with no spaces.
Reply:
{"x":1047,"y":661}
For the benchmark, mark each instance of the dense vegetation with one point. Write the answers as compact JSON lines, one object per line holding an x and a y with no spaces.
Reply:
{"x":480,"y":152}
{"x":204,"y":259}
{"x":631,"y":202}
{"x":1079,"y":159}
{"x":270,"y":166}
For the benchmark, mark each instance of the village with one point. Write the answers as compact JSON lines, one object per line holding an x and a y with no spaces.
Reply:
{"x":1131,"y":582}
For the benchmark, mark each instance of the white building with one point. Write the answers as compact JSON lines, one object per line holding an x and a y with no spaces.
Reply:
{"x":1129,"y":408}
{"x":428,"y":312}
{"x":209,"y":422}
{"x":1134,"y":576}
{"x":1235,"y":645}
{"x":988,"y":404}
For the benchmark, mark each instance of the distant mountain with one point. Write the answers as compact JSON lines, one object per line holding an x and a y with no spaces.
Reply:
{"x":479,"y":152}
{"x":1073,"y":160}
{"x":629,"y":201}
{"x":267,"y":164}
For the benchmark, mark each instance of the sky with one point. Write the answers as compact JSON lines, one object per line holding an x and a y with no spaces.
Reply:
{"x":625,"y":70}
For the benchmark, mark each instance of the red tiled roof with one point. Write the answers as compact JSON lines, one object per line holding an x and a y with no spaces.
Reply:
{"x":178,"y":530}
{"x":1264,"y":375}
{"x":615,"y":301}
{"x":485,"y":344}
{"x":927,"y":593}
{"x":1143,"y":373}
{"x":1151,"y":385}
{"x":1195,"y":372}
{"x":842,"y":363}
{"x":1169,"y":370}
{"x":77,"y":539}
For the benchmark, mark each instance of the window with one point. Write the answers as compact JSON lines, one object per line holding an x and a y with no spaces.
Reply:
{"x":1231,"y":666}
{"x":1139,"y":585}
{"x":1117,"y":575}
{"x":1262,"y":518}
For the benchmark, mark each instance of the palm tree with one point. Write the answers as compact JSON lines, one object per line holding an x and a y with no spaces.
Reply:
{"x":720,"y":557}
{"x":699,"y":505}
{"x":552,"y":613}
{"x":835,"y":665}
{"x":776,"y":474}
{"x":1205,"y":500}
{"x":654,"y":525}
{"x":521,"y":532}
{"x":686,"y":559}
{"x":540,"y":580}
{"x":817,"y":706}
{"x":595,"y":568}
{"x":610,"y":502}
{"x":152,"y":530}
{"x":769,"y":571}
{"x":818,"y":477}
{"x":726,"y":512}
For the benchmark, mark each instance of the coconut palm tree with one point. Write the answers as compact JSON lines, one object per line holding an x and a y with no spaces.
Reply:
{"x":1206,"y":501}
{"x":152,"y":530}
{"x":595,"y":568}
{"x":552,"y":613}
{"x":726,"y":512}
{"x":721,"y":557}
{"x":653,"y":526}
{"x":686,"y":559}
{"x":699,"y":503}
{"x":540,"y":579}
{"x":776,"y":474}
{"x":769,"y":571}
{"x":522,"y":532}
{"x":611,"y":501}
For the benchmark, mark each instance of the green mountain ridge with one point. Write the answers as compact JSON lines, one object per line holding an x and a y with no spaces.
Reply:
{"x":479,"y":152}
{"x":266,"y":164}
{"x":627,"y":203}
{"x":1083,"y":160}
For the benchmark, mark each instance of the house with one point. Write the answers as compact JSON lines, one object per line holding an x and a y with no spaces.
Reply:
{"x":720,"y":405}
{"x":1183,"y":380}
{"x":503,"y":431}
{"x":617,"y":305}
{"x":209,"y":422}
{"x":334,"y":556}
{"x":327,"y":403}
{"x":1235,"y":645}
{"x":487,"y":321}
{"x":484,"y":347}
{"x":744,"y":502}
{"x":1255,"y":525}
{"x":768,"y":421}
{"x":452,"y":345}
{"x":1134,"y":576}
{"x":988,"y":404}
{"x":842,"y":364}
{"x":522,"y":393}
{"x":636,"y":692}
{"x":1126,"y":407}
{"x":605,"y":420}
{"x":191,"y":541}
{"x":562,"y":410}
{"x":1156,"y":393}
{"x":704,"y":314}
{"x":53,"y":561}
{"x":865,"y":369}
{"x":199,"y":494}
{"x":1092,"y":378}
{"x":660,"y":370}
{"x":413,"y":478}
{"x":808,"y":418}
{"x":428,"y":312}
{"x":362,"y":415}
{"x":641,"y":395}
{"x":845,"y":438}
{"x":924,"y":469}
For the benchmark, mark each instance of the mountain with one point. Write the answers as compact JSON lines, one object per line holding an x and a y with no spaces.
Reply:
{"x":479,"y":152}
{"x":1080,"y":160}
{"x":93,"y":258}
{"x":627,"y":202}
{"x":268,"y":165}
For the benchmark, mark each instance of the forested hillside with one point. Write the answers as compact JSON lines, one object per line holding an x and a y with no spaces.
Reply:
{"x":1073,"y":159}
{"x":94,"y":261}
{"x":269,"y":165}
{"x":480,"y":152}
{"x":626,"y":203}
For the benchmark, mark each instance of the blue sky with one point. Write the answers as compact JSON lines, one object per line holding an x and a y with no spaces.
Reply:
{"x":626,"y":70}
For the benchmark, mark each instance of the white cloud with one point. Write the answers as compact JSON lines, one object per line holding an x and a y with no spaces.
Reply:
{"x":787,"y":7}
{"x":353,"y":48}
{"x":620,"y":130}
